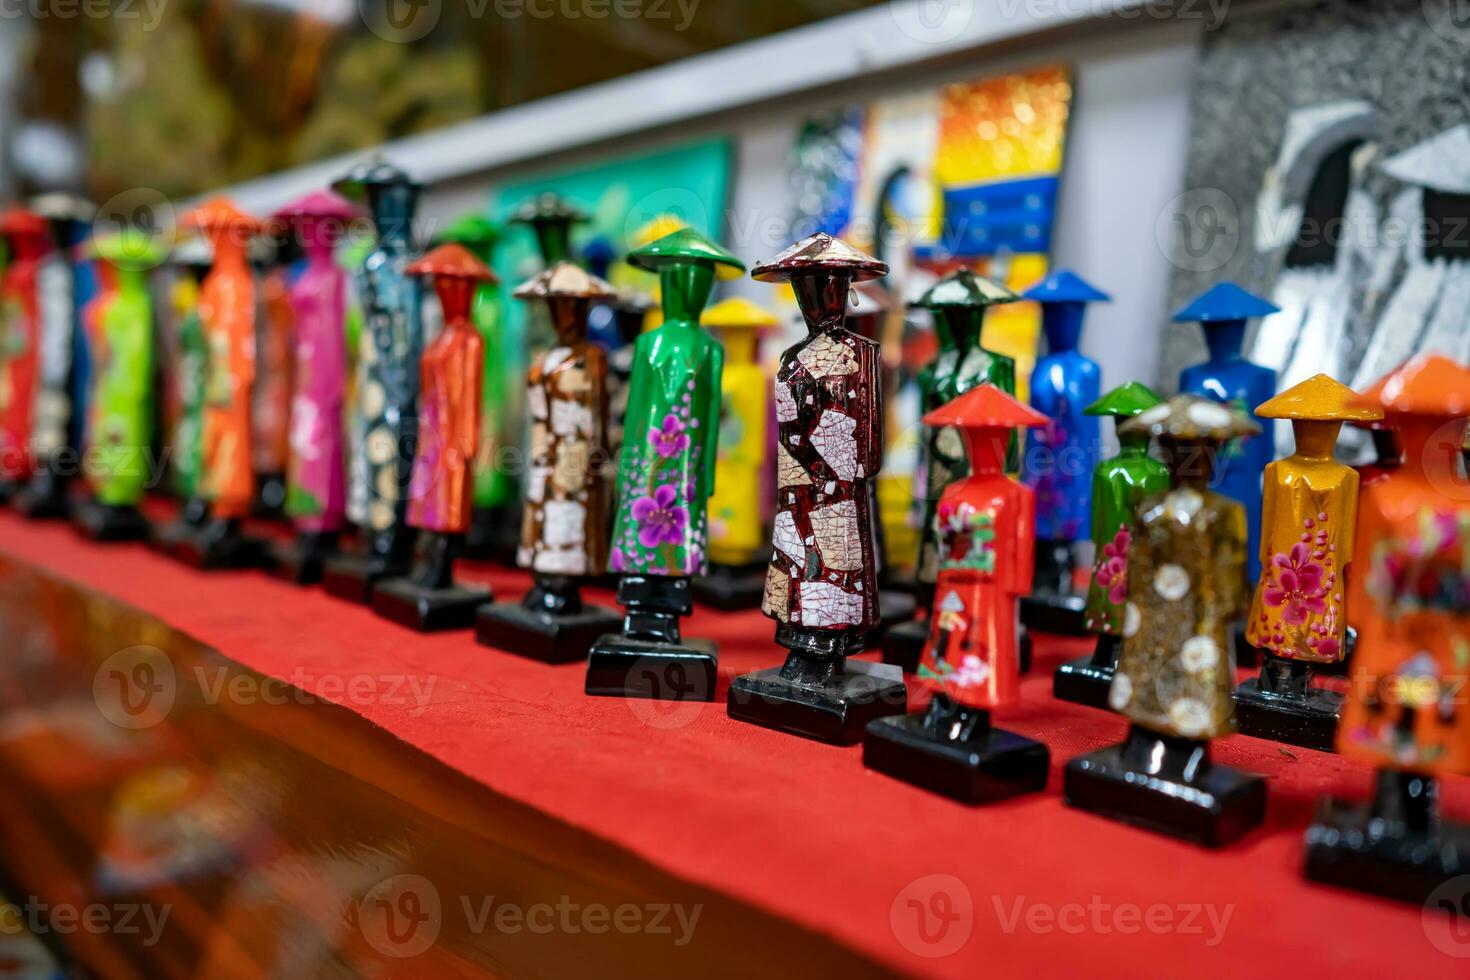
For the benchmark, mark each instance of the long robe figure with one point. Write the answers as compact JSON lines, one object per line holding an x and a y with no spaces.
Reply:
{"x":1405,"y":711}
{"x":666,"y":474}
{"x":1119,"y":485}
{"x":1298,"y":617}
{"x":316,"y":479}
{"x":1186,"y":580}
{"x":1227,"y":377}
{"x":564,"y":524}
{"x":387,"y":385}
{"x":822,"y":581}
{"x":20,"y":333}
{"x":986,"y":529}
{"x":441,"y":492}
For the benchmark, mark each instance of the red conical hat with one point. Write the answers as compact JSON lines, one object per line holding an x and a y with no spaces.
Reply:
{"x":219,"y":213}
{"x":986,"y":407}
{"x":452,"y":260}
{"x":17,"y":220}
{"x":1429,"y":384}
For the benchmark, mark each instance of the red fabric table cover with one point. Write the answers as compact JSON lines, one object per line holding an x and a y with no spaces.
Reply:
{"x":1033,"y":887}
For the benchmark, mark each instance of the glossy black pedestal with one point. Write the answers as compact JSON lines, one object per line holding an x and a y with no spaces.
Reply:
{"x":991,"y":766}
{"x":1167,"y":785}
{"x":1087,"y":680}
{"x":621,"y":667}
{"x":731,"y":587}
{"x":903,"y":645}
{"x":353,"y":577}
{"x":210,"y":551}
{"x":44,"y":498}
{"x":1309,"y":721}
{"x":405,"y":602}
{"x":553,"y":638}
{"x":103,"y":523}
{"x":836,"y":711}
{"x":1352,"y":846}
{"x":302,"y":562}
{"x":1059,"y":614}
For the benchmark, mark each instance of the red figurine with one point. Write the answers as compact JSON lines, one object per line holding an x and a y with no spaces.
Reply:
{"x":20,"y":334}
{"x":985,"y":525}
{"x":441,"y":490}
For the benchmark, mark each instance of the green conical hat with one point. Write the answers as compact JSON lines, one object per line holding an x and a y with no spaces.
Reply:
{"x":684,"y":246}
{"x":1125,"y":401}
{"x":129,"y":249}
{"x":963,"y":288}
{"x":474,"y":230}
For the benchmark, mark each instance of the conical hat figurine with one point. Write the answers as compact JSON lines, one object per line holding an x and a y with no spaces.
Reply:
{"x":275,"y":257}
{"x":316,"y":482}
{"x":971,"y":661}
{"x":227,"y":315}
{"x":386,"y":389}
{"x":20,"y":333}
{"x":957,"y":305}
{"x":1059,"y":457}
{"x":55,"y":431}
{"x":1226,"y":376}
{"x":822,"y":583}
{"x":564,"y":525}
{"x":1406,"y":711}
{"x":551,"y":217}
{"x":742,"y":504}
{"x":1119,"y":485}
{"x":667,"y":472}
{"x":119,"y":322}
{"x":441,"y":491}
{"x":1186,"y":575}
{"x":1298,"y":618}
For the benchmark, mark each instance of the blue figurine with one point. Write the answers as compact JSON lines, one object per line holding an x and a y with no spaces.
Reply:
{"x":1226,"y":376}
{"x":598,"y":256}
{"x":1060,"y":457}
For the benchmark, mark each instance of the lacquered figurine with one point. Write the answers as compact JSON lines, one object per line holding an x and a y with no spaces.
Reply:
{"x":387,"y":386}
{"x":275,"y":261}
{"x":191,"y":259}
{"x":666,"y":474}
{"x":119,"y":323}
{"x":551,"y":217}
{"x":20,"y":334}
{"x":1119,"y":485}
{"x":441,"y":492}
{"x":227,"y":311}
{"x":1406,"y":711}
{"x":54,"y":432}
{"x":740,"y":508}
{"x":1298,"y":617}
{"x":971,"y":662}
{"x":1059,"y":458}
{"x":1186,"y":576}
{"x":493,"y":530}
{"x":1227,"y":377}
{"x":564,"y":526}
{"x":822,"y":582}
{"x":316,"y":476}
{"x":957,"y":304}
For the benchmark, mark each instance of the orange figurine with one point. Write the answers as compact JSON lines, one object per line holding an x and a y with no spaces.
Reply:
{"x":1298,"y":620}
{"x":227,"y":309}
{"x":1406,"y":710}
{"x":441,"y":489}
{"x":985,"y":527}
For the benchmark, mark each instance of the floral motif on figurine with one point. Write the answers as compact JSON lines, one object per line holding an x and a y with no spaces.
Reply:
{"x":657,"y":534}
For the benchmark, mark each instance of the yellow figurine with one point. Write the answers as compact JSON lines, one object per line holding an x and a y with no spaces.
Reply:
{"x":1298,"y":618}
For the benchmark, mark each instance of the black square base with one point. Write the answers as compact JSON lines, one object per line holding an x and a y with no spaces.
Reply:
{"x":44,"y":500}
{"x":1310,"y":723}
{"x":1060,"y":614}
{"x":1083,"y":682}
{"x":290,"y":561}
{"x":837,"y":712}
{"x":111,"y":523}
{"x":619,"y":667}
{"x":994,"y":766}
{"x":213,"y":553}
{"x":1214,"y":809}
{"x":1344,"y":848}
{"x":903,"y":645}
{"x":352,"y":577}
{"x":407,"y":603}
{"x":549,"y":638}
{"x":731,"y":587}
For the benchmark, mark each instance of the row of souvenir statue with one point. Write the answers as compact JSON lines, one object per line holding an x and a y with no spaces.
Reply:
{"x":1205,"y":548}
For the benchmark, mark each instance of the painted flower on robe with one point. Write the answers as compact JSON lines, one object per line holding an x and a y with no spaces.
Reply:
{"x":669,"y":439}
{"x":1298,"y":587}
{"x":1112,"y":570}
{"x":973,"y":672}
{"x":660,"y":519}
